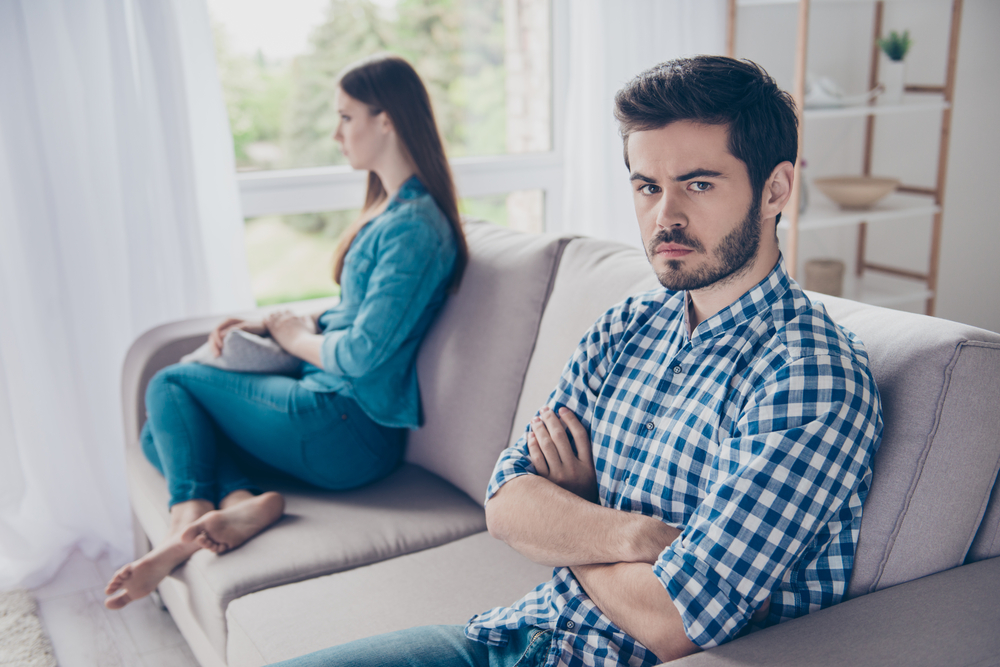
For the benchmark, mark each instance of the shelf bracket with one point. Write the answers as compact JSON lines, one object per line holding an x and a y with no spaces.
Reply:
{"x":918,"y":190}
{"x":893,"y":271}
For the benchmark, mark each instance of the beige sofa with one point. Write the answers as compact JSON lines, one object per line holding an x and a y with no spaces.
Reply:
{"x":412,"y":549}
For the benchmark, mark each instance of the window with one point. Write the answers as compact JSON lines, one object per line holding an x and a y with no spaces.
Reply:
{"x":488,"y":67}
{"x":291,"y":256}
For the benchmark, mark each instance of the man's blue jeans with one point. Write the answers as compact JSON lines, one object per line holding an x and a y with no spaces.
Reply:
{"x":205,"y":424}
{"x":432,"y":646}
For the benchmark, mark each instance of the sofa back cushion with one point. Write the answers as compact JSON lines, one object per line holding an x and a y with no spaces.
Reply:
{"x":940,"y":451}
{"x":987,"y":542}
{"x":593,"y":276}
{"x":471,"y":364}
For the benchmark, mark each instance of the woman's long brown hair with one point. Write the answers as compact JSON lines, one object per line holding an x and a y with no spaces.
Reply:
{"x":390,"y":84}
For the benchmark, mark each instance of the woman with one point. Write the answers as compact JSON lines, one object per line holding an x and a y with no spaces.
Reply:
{"x":342,"y":422}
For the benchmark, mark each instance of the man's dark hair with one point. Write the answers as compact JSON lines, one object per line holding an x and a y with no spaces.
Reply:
{"x":715,"y":90}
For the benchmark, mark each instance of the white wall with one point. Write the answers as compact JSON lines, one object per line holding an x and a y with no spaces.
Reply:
{"x":970,"y":268}
{"x":906,"y":146}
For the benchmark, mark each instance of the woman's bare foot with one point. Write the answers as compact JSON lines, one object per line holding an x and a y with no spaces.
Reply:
{"x":224,"y":530}
{"x":185,"y":513}
{"x":139,"y":578}
{"x":235,"y":498}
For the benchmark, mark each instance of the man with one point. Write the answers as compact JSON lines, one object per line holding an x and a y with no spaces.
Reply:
{"x":701,"y":466}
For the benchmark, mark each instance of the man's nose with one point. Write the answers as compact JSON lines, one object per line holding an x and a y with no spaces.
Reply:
{"x":670,"y":212}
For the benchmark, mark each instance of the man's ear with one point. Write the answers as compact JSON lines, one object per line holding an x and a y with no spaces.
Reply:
{"x":777,"y":190}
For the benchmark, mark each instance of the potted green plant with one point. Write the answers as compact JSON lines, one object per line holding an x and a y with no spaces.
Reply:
{"x":893,"y":75}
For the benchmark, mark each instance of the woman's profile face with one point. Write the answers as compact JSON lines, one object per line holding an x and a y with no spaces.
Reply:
{"x":363,"y":138}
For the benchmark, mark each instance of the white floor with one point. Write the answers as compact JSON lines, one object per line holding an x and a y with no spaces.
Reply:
{"x":85,"y":634}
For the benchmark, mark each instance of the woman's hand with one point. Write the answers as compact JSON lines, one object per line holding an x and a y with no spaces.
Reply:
{"x":218,"y":335}
{"x":286,"y":327}
{"x":551,"y":452}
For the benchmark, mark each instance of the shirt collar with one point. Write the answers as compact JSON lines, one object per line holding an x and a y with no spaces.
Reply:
{"x":411,"y":189}
{"x":755,"y":301}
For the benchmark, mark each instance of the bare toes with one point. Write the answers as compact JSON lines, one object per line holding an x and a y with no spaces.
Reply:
{"x":120,"y":577}
{"x":206,"y":542}
{"x":219,"y":548}
{"x":118,"y":601}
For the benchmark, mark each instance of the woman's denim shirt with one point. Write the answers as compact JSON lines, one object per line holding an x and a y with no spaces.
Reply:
{"x":395,"y":280}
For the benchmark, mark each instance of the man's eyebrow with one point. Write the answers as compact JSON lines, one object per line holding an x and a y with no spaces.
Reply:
{"x":698,"y":173}
{"x":639,"y":177}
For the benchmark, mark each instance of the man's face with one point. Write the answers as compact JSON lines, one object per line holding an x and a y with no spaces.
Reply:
{"x":698,"y":217}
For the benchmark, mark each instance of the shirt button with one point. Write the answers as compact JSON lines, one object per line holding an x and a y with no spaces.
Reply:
{"x":677,"y":369}
{"x":570,"y":625}
{"x":650,"y":426}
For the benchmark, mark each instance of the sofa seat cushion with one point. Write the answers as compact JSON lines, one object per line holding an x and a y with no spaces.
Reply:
{"x":444,"y":585}
{"x":321,"y":532}
{"x":949,"y":618}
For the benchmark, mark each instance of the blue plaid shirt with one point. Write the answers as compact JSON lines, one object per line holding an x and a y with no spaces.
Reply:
{"x":754,"y":436}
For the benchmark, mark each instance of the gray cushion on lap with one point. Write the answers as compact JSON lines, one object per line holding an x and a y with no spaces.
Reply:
{"x":245,"y":352}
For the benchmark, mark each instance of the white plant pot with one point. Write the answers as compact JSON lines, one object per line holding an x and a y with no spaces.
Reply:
{"x":893,"y":77}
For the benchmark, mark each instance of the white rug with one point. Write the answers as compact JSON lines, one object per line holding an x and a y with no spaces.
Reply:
{"x":22,"y":641}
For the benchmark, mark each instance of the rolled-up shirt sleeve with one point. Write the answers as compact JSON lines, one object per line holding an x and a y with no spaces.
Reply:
{"x":410,"y":264}
{"x":328,"y":352}
{"x":801,"y":453}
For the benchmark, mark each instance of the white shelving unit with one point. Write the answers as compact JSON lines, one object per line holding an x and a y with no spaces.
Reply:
{"x":881,"y":289}
{"x":869,"y":281}
{"x":824,"y":214}
{"x":876,"y":110}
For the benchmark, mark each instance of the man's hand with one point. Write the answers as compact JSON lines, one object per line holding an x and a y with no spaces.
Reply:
{"x":286,"y":328}
{"x":554,"y":457}
{"x":218,"y":335}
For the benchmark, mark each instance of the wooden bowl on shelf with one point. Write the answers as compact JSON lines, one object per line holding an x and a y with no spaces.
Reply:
{"x":856,"y":191}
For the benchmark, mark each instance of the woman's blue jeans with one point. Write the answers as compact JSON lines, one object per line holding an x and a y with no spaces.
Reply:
{"x":432,"y":646}
{"x":203,"y":422}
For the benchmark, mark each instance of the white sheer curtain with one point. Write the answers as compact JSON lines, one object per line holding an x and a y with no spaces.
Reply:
{"x":118,"y":211}
{"x":611,"y":42}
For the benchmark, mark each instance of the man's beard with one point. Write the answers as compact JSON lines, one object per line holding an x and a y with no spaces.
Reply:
{"x":735,"y":254}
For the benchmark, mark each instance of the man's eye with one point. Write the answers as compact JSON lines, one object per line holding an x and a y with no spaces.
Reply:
{"x":649,"y":189}
{"x":701,"y":186}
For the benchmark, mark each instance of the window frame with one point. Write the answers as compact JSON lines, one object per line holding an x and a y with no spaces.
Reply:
{"x":334,"y":188}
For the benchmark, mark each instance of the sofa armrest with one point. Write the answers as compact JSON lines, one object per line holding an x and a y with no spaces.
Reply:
{"x":949,"y":618}
{"x":166,"y":344}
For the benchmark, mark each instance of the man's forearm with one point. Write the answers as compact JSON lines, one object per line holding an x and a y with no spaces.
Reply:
{"x":552,"y":526}
{"x":635,"y":600}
